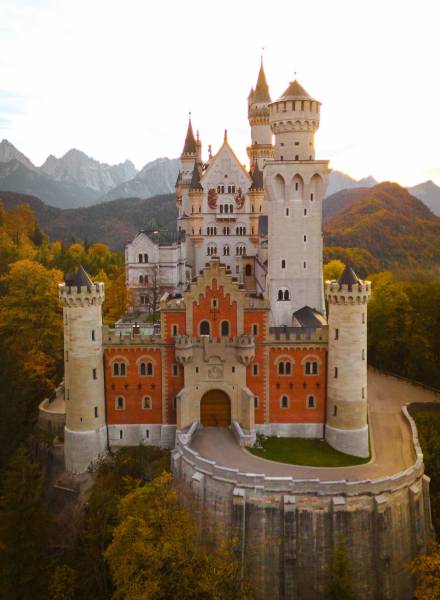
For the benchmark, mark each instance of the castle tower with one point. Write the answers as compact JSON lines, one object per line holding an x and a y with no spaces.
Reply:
{"x":295,"y":184}
{"x":85,"y":433}
{"x":261,"y":148}
{"x":347,"y":427}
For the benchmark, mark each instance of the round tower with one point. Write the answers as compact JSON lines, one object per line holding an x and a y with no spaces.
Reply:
{"x":347,"y":423}
{"x":261,"y":148}
{"x":85,"y":433}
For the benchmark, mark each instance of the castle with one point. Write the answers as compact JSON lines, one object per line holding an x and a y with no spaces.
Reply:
{"x":244,"y":338}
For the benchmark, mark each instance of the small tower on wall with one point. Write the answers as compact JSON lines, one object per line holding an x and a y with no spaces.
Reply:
{"x":189,"y":158}
{"x":85,"y":433}
{"x":347,"y":423}
{"x":294,"y":183}
{"x":261,"y":148}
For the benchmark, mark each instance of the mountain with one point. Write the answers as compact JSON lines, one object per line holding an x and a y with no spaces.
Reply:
{"x":17,"y":177}
{"x":112,"y":223}
{"x":75,"y":167}
{"x":156,"y":177}
{"x":9,"y":152}
{"x":386,"y":221}
{"x":429,"y":194}
{"x":341,"y":181}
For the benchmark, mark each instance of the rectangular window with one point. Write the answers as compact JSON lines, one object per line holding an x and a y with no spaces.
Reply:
{"x":197,"y":369}
{"x":336,"y":372}
{"x":256,"y":401}
{"x":93,"y":335}
{"x":174,"y":330}
{"x":363,"y":354}
{"x":67,"y":357}
{"x":363,"y":392}
{"x":233,"y":369}
{"x":255,"y":369}
{"x":96,"y":412}
{"x":335,"y":411}
{"x":336,"y":334}
{"x":121,"y":434}
{"x":174,"y":402}
{"x":284,"y":402}
{"x":175,"y":370}
{"x":305,"y":212}
{"x":311,"y":402}
{"x":147,"y":433}
{"x":305,"y":238}
{"x":287,"y":212}
{"x":254,"y":329}
{"x":95,"y":376}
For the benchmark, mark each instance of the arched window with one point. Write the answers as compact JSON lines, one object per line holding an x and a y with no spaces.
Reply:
{"x":283,"y":264}
{"x":280,"y":294}
{"x":311,"y":367}
{"x":119,"y":403}
{"x":231,"y":208}
{"x":146,"y":368}
{"x":147,"y":403}
{"x":140,"y":258}
{"x":284,"y":367}
{"x":248,"y":270}
{"x":204,"y":328}
{"x":286,"y":295}
{"x":226,"y":208}
{"x":221,"y":208}
{"x":311,"y":402}
{"x":146,"y":258}
{"x":225,"y":250}
{"x":225,"y":328}
{"x":119,"y":369}
{"x":284,"y":401}
{"x":141,"y":279}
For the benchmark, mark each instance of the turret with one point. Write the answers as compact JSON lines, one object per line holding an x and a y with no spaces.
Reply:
{"x":85,"y":436}
{"x":261,"y":148}
{"x":294,"y":184}
{"x":346,"y":424}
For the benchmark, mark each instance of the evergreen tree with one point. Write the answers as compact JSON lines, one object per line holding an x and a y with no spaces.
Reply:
{"x":24,"y":530}
{"x":339,"y":584}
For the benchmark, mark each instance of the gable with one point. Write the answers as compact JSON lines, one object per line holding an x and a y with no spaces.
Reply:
{"x":226,"y":169}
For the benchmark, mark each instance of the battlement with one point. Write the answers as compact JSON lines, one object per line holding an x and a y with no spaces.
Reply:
{"x":81,"y":295}
{"x":347,"y":293}
{"x":114,"y":337}
{"x":298,"y":335}
{"x":243,"y":344}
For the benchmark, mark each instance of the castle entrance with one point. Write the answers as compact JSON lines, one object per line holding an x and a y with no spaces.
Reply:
{"x":215,"y":409}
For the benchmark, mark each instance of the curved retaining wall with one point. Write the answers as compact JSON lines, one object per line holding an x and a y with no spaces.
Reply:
{"x":287,"y":527}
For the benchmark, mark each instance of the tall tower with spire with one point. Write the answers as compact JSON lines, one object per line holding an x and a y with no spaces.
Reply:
{"x":295,"y":184}
{"x":261,"y":148}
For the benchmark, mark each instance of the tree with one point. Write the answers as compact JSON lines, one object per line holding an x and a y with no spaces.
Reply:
{"x":426,"y":569}
{"x":339,"y":585}
{"x":117,"y":300}
{"x":156,"y":553}
{"x":63,"y":583}
{"x":333,"y":270}
{"x":24,"y":530}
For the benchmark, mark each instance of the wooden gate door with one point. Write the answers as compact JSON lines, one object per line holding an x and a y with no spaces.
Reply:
{"x":215,"y":409}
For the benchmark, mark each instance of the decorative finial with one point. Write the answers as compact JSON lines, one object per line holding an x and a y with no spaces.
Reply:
{"x":294,"y":74}
{"x":189,"y":114}
{"x":262,"y":54}
{"x":226,"y":136}
{"x":210,"y":151}
{"x":197,"y":135}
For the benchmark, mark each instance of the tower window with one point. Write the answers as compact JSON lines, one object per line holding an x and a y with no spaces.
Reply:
{"x":305,"y":265}
{"x":335,"y":411}
{"x":146,"y":369}
{"x":281,"y":157}
{"x":146,"y":258}
{"x":93,"y":335}
{"x":224,"y":328}
{"x":140,"y":258}
{"x":283,"y":264}
{"x":95,"y":376}
{"x":255,"y":369}
{"x":296,"y":143}
{"x":254,"y":328}
{"x":121,"y":434}
{"x":96,"y":412}
{"x":174,"y":330}
{"x":284,"y":402}
{"x":204,"y":328}
{"x":146,"y":403}
{"x":305,"y":238}
{"x":363,"y":318}
{"x":147,"y":433}
{"x":305,"y":212}
{"x":363,"y":354}
{"x":296,"y":184}
{"x":311,"y":196}
{"x":363,"y":392}
{"x":296,"y":156}
{"x":175,"y":370}
{"x":287,"y":212}
{"x":256,"y":402}
{"x":285,"y":367}
{"x":336,"y":334}
{"x":336,"y":373}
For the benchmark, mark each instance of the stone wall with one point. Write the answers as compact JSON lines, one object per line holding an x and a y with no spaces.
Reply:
{"x":288,"y":528}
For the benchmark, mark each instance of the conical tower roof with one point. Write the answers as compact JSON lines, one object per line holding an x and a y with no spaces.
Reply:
{"x":261,"y":93}
{"x":348,"y":277}
{"x":295,"y":91}
{"x":190,"y":146}
{"x":257,"y":178}
{"x":195,"y":180}
{"x":78,"y":279}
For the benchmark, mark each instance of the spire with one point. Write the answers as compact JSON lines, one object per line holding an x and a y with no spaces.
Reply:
{"x":348,"y":277}
{"x":225,"y":139}
{"x":257,"y":178}
{"x":195,"y":180}
{"x":78,"y":279}
{"x":295,"y":90}
{"x":190,"y":146}
{"x":261,"y":93}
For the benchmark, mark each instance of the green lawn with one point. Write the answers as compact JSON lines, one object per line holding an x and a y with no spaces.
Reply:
{"x":308,"y":452}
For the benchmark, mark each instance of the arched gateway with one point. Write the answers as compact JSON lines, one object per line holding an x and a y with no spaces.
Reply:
{"x":215,"y":409}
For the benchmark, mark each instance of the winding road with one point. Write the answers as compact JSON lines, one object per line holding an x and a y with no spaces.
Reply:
{"x":389,"y":430}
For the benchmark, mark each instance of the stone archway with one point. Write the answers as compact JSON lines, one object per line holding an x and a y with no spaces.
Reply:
{"x":215,"y":409}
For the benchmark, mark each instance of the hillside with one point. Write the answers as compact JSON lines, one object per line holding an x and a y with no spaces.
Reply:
{"x":112,"y":223}
{"x":396,"y":228}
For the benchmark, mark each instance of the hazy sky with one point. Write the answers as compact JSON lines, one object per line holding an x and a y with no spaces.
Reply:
{"x":116,"y":78}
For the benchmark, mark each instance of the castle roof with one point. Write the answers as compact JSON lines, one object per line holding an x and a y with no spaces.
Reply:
{"x":261,"y":93}
{"x":190,"y":146}
{"x":257,"y":178}
{"x":78,"y":279}
{"x":195,"y":179}
{"x":295,"y":91}
{"x":348,"y":277}
{"x":308,"y":317}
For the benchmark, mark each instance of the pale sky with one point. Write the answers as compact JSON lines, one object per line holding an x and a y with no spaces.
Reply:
{"x":116,"y":78}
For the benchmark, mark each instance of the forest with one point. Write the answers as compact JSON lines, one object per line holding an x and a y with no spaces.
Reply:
{"x":132,"y":497}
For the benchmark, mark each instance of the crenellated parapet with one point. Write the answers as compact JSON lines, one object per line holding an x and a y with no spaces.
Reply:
{"x":81,"y":295}
{"x":356,"y":293}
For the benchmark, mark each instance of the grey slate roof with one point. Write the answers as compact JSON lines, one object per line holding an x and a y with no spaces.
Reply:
{"x":195,"y":180}
{"x":257,"y":178}
{"x":190,"y":146}
{"x":308,"y":317}
{"x":295,"y":91}
{"x":78,"y":279}
{"x":348,"y":277}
